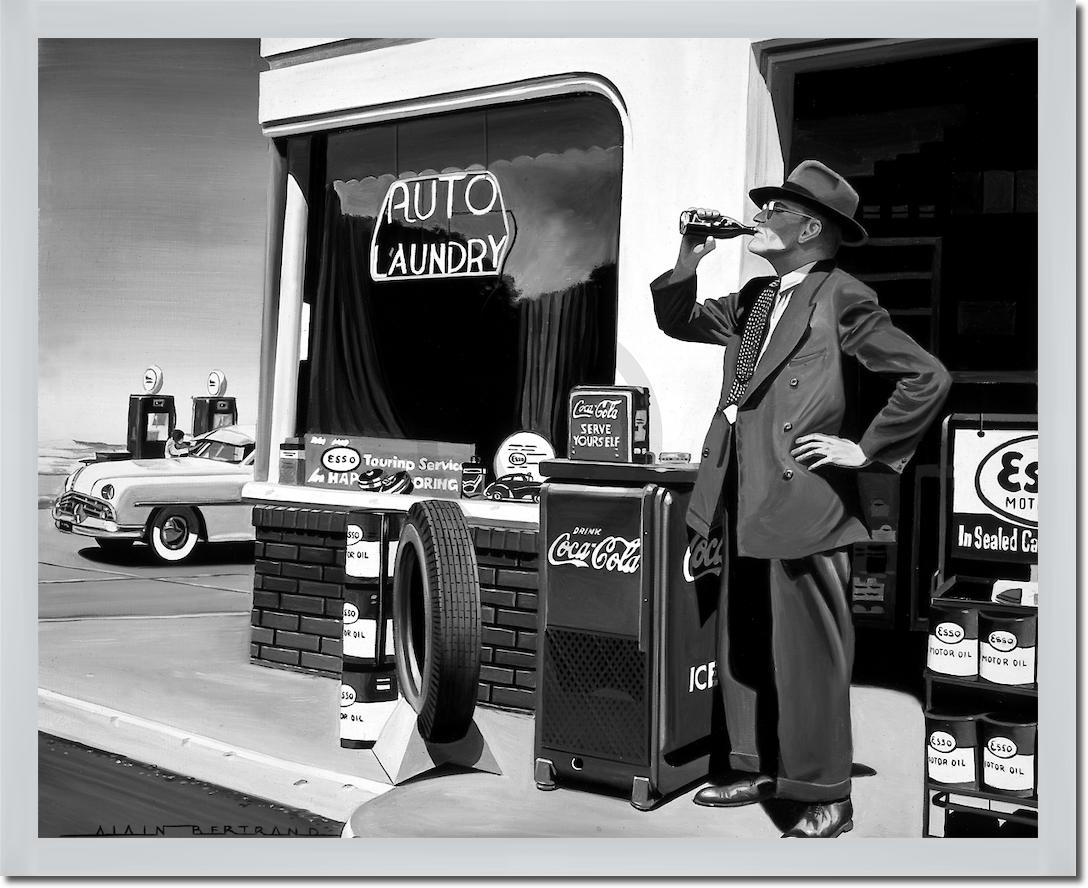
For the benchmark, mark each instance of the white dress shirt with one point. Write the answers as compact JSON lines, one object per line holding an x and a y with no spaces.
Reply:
{"x":789,"y":280}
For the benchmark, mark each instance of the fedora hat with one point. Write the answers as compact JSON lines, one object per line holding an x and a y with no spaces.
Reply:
{"x":820,"y":188}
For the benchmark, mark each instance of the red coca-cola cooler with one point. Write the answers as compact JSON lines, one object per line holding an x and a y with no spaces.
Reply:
{"x":626,"y":687}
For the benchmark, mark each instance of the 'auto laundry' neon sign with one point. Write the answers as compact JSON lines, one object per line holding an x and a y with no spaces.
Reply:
{"x":444,"y":226}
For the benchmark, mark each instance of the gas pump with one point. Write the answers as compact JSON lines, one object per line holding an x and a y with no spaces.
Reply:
{"x":151,"y":418}
{"x":215,"y":409}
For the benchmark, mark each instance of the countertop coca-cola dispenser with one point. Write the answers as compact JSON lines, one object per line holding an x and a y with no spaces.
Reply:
{"x":626,"y":679}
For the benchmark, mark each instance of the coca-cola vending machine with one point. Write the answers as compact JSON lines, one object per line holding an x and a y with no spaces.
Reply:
{"x":626,"y":690}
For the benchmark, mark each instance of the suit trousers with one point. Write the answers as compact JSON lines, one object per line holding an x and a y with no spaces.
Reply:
{"x":785,"y":656}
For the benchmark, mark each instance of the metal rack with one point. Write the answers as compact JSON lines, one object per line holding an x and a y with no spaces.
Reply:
{"x":977,"y":801}
{"x":950,"y":587}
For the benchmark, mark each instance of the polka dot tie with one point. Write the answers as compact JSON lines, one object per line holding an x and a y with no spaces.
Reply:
{"x":754,"y":326}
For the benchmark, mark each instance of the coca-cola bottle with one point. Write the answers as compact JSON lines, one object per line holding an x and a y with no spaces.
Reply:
{"x":721,"y":227}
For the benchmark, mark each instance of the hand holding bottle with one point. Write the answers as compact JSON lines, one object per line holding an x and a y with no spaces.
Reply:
{"x":694,"y":244}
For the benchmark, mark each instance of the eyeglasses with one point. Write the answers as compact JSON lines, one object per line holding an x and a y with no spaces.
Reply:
{"x":774,"y":206}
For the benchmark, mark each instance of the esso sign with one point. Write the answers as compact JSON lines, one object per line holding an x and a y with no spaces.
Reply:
{"x":351,"y":613}
{"x":523,"y":452}
{"x":341,"y":459}
{"x":1002,"y":747}
{"x":949,"y":633}
{"x":1007,"y":480}
{"x":153,"y":379}
{"x":942,"y":741}
{"x":1002,"y":641}
{"x":217,"y":383}
{"x":347,"y":695}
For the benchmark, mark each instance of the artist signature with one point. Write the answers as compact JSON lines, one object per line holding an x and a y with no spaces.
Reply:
{"x":188,"y":830}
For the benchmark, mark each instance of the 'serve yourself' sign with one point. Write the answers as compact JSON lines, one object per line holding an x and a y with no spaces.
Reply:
{"x":995,"y":499}
{"x":449,"y":226}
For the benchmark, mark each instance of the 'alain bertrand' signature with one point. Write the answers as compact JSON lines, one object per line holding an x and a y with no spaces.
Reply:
{"x":188,"y":830}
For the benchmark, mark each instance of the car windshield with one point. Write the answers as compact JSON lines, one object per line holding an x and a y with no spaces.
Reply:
{"x":209,"y":448}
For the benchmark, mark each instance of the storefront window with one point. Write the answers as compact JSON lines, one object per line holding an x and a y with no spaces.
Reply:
{"x":404,"y":344}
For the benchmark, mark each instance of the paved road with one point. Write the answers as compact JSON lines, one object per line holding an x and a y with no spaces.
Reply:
{"x":85,"y":792}
{"x":78,"y":580}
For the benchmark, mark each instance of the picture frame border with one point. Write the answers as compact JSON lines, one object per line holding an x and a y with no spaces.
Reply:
{"x":1052,"y":22}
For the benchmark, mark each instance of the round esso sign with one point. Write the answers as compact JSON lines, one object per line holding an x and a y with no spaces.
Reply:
{"x":217,"y":383}
{"x":1007,"y":480}
{"x":523,"y":452}
{"x":1002,"y":747}
{"x":153,"y":379}
{"x":942,"y":741}
{"x":351,"y":613}
{"x":1002,"y":641}
{"x":347,"y":695}
{"x":949,"y":633}
{"x":341,"y":459}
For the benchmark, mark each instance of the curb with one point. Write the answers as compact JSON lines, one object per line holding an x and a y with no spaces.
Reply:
{"x":331,"y":794}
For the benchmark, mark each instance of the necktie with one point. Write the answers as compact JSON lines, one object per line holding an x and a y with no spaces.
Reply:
{"x":752,"y":339}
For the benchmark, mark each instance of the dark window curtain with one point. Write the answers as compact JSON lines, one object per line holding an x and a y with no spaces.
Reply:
{"x":566,"y":339}
{"x":348,"y":392}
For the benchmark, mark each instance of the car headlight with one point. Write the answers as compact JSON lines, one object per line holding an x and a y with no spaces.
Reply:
{"x":107,"y":491}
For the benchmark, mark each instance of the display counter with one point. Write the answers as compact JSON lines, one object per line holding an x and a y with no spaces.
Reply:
{"x":520,"y":515}
{"x":299,"y":581}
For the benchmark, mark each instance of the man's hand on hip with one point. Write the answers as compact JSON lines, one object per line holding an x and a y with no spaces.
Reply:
{"x":829,"y":450}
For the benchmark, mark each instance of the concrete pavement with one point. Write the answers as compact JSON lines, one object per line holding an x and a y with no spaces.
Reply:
{"x":151,"y":662}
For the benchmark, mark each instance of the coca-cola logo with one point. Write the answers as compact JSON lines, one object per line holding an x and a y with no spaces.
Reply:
{"x":702,"y":558}
{"x":607,"y":408}
{"x":610,"y":553}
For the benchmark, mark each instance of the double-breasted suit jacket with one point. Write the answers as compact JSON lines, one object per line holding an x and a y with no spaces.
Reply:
{"x":784,"y":510}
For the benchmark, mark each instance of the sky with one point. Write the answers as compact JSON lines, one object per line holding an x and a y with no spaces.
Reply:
{"x":152,"y":190}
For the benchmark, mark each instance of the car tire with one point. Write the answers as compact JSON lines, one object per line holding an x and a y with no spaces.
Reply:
{"x":113,"y":547}
{"x":436,"y":619}
{"x":495,"y":495}
{"x":173,"y":534}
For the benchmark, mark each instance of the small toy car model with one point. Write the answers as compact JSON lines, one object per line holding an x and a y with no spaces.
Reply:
{"x":516,"y":487}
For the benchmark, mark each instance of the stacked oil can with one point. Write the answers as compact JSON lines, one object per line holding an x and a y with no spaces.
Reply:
{"x":983,"y":752}
{"x":368,"y":686}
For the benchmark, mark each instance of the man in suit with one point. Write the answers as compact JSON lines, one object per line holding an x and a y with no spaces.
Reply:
{"x":780,"y":475}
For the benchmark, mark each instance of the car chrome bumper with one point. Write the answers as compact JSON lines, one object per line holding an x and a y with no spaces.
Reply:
{"x":88,"y":525}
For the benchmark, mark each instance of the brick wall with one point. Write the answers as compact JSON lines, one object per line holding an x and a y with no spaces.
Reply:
{"x":508,"y":599}
{"x":298,"y":589}
{"x":298,"y":596}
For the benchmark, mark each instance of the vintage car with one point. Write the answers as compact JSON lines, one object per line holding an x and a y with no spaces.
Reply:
{"x":170,"y":504}
{"x":516,"y":486}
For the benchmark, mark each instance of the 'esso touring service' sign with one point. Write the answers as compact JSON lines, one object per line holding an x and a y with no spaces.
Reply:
{"x":453,"y":225}
{"x":995,"y":499}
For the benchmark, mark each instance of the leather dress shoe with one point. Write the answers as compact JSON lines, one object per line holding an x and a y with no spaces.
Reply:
{"x":745,"y":791}
{"x":826,"y":820}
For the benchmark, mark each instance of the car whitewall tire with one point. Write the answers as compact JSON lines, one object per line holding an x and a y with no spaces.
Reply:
{"x":173,"y":534}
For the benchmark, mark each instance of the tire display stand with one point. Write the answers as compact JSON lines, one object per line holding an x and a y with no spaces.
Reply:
{"x":404,"y":753}
{"x":982,"y":812}
{"x":436,"y":625}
